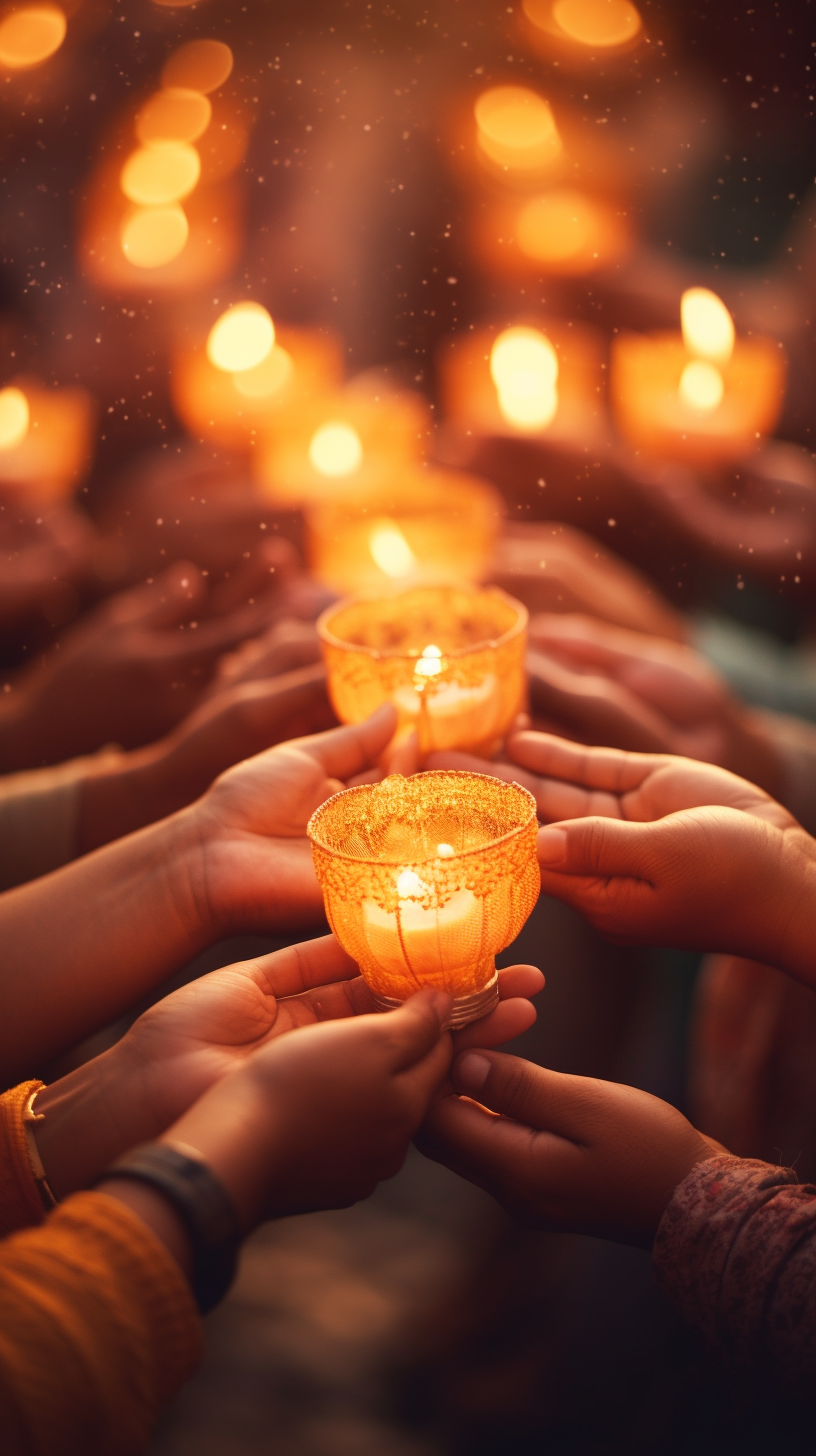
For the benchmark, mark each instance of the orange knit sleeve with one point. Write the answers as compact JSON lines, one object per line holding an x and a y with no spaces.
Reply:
{"x":20,"y":1201}
{"x":98,"y":1329}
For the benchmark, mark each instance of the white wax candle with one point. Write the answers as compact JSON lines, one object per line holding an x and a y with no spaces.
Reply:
{"x":453,"y":714}
{"x":425,"y":944}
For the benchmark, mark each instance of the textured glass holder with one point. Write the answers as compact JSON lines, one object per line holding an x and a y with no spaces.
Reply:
{"x":450,"y":659}
{"x":426,"y":879}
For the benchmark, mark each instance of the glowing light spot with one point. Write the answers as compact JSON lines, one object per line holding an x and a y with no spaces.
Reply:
{"x":701,"y":385}
{"x":241,"y":338}
{"x":200,"y":65}
{"x":708,"y":328}
{"x":556,"y":227}
{"x":445,"y":851}
{"x":154,"y":236}
{"x":31,"y":35}
{"x":410,"y":886}
{"x":336,"y":449}
{"x":390,"y":550}
{"x":267,"y":378}
{"x":14,"y":417}
{"x":173,"y":115}
{"x":517,"y":129}
{"x":156,"y":175}
{"x":601,"y":23}
{"x":524,"y":369}
{"x":430,"y":663}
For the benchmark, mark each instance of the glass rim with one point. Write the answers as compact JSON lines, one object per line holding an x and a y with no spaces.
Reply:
{"x":447,"y":773}
{"x":327,"y":636}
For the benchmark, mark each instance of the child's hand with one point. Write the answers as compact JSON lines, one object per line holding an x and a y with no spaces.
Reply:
{"x":318,"y":1118}
{"x":668,"y":851}
{"x":565,"y":1153}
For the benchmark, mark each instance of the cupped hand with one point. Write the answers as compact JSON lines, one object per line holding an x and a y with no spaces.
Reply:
{"x":564,"y":1153}
{"x":318,"y":1118}
{"x":626,"y":689}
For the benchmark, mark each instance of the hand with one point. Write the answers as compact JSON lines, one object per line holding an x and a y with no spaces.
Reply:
{"x":625,"y":689}
{"x":565,"y":1153}
{"x":127,"y":674}
{"x":555,"y":568}
{"x":137,"y":788}
{"x":665,"y":851}
{"x":181,"y":1046}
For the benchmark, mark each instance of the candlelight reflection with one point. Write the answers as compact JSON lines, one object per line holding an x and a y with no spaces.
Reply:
{"x":160,"y":173}
{"x":175,"y":114}
{"x":14,"y":417}
{"x":517,"y":130}
{"x":602,"y":24}
{"x":200,"y":65}
{"x":153,"y":236}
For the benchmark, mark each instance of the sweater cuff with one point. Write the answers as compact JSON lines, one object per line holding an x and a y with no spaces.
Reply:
{"x":20,"y":1201}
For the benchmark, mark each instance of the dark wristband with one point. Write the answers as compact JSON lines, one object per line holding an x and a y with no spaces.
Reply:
{"x":203,"y":1205}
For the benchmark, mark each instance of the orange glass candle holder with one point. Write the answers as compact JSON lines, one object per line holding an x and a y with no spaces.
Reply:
{"x":426,"y":879}
{"x":416,"y":525}
{"x":450,"y":659}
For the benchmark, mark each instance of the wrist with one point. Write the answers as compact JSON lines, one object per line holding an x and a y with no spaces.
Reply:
{"x":124,"y":795}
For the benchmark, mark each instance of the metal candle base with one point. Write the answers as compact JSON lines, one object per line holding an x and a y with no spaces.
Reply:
{"x":465,"y":1008}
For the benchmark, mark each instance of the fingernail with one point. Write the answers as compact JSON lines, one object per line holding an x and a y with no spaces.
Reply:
{"x":552,"y":845}
{"x":471,"y":1071}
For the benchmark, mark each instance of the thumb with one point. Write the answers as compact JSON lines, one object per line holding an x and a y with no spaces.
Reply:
{"x":596,"y":846}
{"x":531,"y":1095}
{"x":415,"y":1028}
{"x":345,"y":751}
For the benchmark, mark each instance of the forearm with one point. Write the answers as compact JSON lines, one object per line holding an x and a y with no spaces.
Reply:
{"x":86,"y":942}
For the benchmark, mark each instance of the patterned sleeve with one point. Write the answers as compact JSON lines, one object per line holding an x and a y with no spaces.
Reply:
{"x":736,"y":1255}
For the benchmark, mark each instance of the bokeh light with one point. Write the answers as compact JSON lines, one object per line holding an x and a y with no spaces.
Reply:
{"x":175,"y":114}
{"x":708,"y":329}
{"x":31,"y":35}
{"x":390,"y":550}
{"x":603,"y":24}
{"x":14,"y":417}
{"x":153,"y":236}
{"x":241,"y":338}
{"x":268,"y":378}
{"x":336,"y":449}
{"x":524,"y":369}
{"x":517,"y":129}
{"x":156,"y":175}
{"x":701,"y":385}
{"x":201,"y":65}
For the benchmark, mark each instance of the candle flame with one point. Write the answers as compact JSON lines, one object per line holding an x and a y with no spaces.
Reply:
{"x":445,"y":851}
{"x":708,"y":329}
{"x":153,"y":236}
{"x":241,"y":338}
{"x":516,"y":128}
{"x":160,"y":173}
{"x":30,"y":35}
{"x":336,"y":449}
{"x":430,"y":662}
{"x":14,"y":417}
{"x":410,"y":886}
{"x":701,"y":385}
{"x":524,"y":369}
{"x":390,"y":550}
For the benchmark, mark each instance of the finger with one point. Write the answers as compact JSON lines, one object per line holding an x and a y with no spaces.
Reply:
{"x":614,"y":770}
{"x":520,"y":981}
{"x":302,"y":967}
{"x":596,"y":707}
{"x":402,"y":754}
{"x":494,"y":1152}
{"x":598,"y":847}
{"x":507,"y":1020}
{"x":414,"y":1029}
{"x":334,"y":1002}
{"x":535,"y":1096}
{"x":349,"y":750}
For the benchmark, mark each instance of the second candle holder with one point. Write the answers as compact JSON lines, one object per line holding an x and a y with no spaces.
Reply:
{"x":450,"y":659}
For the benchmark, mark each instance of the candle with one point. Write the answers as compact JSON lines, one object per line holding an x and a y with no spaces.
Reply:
{"x":702,"y":395}
{"x":450,"y":659}
{"x":415,"y":525}
{"x":349,"y":441}
{"x":232,"y":383}
{"x":605,"y":26}
{"x":426,"y":879}
{"x":46,"y":437}
{"x":525,"y":381}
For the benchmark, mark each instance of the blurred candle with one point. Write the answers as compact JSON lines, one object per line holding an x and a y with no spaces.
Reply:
{"x":524,"y":380}
{"x":46,"y":437}
{"x":701,"y":395}
{"x":516,"y":131}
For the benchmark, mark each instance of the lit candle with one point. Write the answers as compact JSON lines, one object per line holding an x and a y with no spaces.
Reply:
{"x":342,"y":443}
{"x":426,"y":879}
{"x":450,"y":659}
{"x":46,"y":437}
{"x":701,"y":395}
{"x":525,"y":381}
{"x":415,"y":525}
{"x":232,"y":384}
